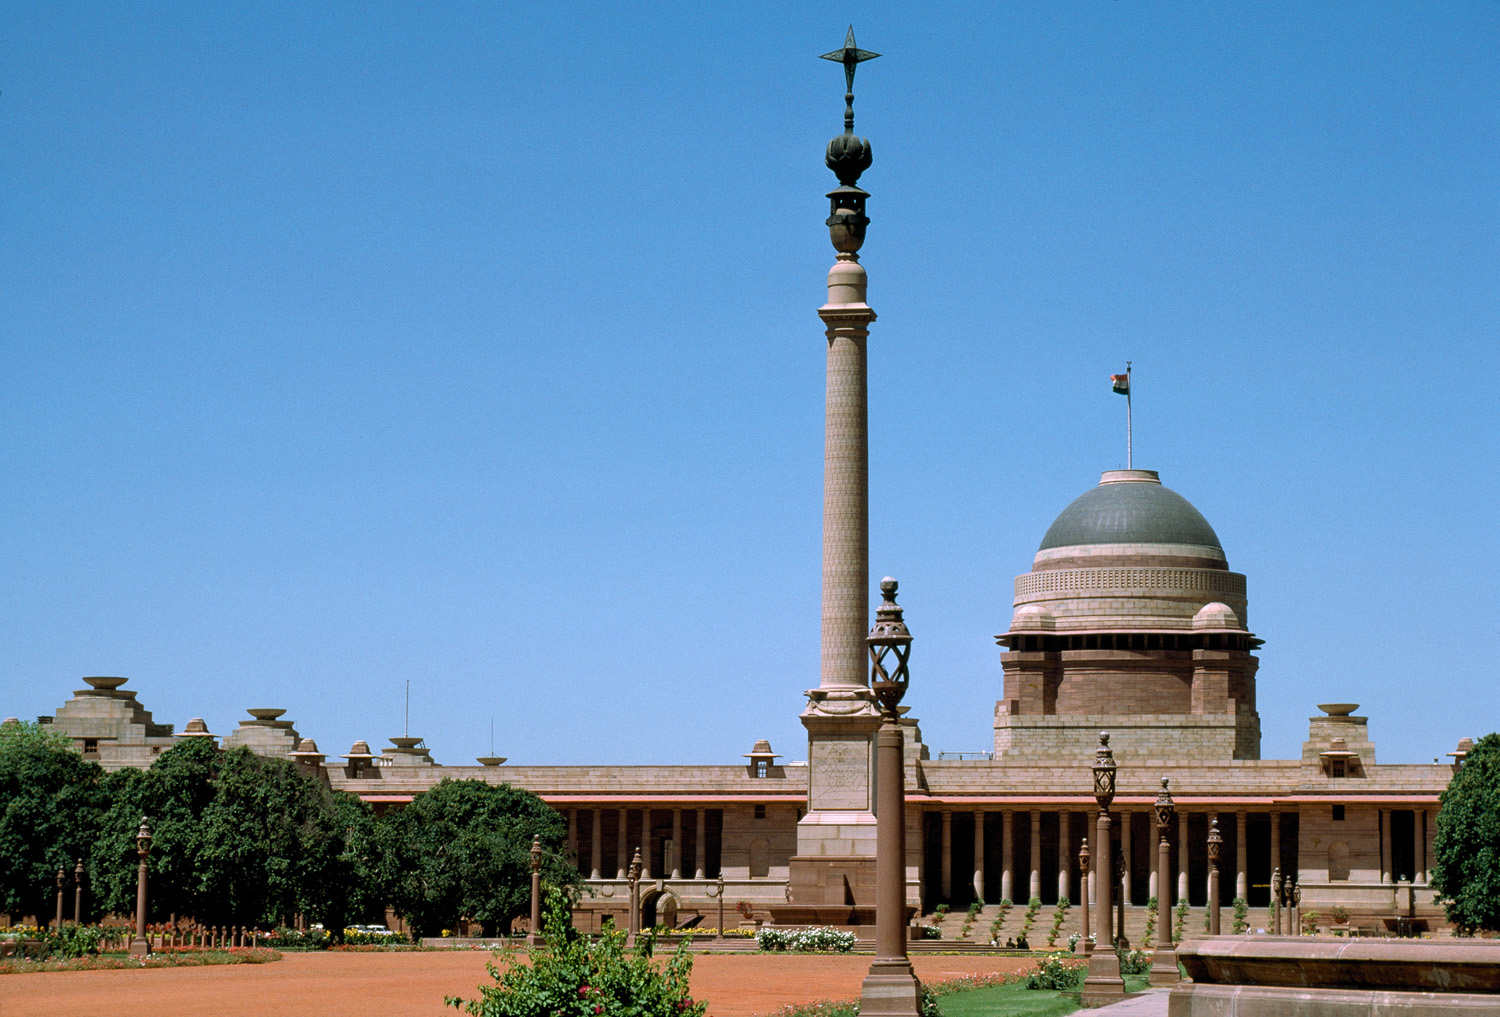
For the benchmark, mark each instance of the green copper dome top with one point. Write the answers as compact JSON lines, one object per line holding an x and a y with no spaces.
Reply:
{"x":1130,"y":507}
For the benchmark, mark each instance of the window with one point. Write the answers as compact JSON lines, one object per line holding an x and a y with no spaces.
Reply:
{"x":1338,"y":813}
{"x":91,"y":746}
{"x":760,"y":812}
{"x":762,"y":768}
{"x":1340,"y":768}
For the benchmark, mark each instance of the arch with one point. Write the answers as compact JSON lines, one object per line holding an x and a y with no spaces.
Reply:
{"x":1338,"y":862}
{"x":760,"y":859}
{"x":659,"y":907}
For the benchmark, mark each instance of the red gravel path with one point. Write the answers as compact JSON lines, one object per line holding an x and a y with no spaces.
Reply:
{"x":413,"y":985}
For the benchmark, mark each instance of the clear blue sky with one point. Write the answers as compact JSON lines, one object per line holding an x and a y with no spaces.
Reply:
{"x":475,"y":345}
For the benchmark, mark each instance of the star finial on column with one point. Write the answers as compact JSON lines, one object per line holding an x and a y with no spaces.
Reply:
{"x":851,"y":56}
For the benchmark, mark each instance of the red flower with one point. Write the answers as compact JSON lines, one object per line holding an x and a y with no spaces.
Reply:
{"x":583,"y":990}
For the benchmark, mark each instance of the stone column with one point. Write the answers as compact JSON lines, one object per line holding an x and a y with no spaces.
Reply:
{"x":676,"y":866}
{"x":1008,"y":855}
{"x":596,"y":846}
{"x":1125,"y":846}
{"x":1036,"y":854}
{"x":700,"y":846}
{"x":1275,"y":840}
{"x":1385,"y":846}
{"x":1211,"y":879}
{"x":622,"y":849}
{"x":1419,"y":844}
{"x":1064,"y":836}
{"x":573,"y":836}
{"x":1183,"y":846}
{"x":1241,"y":856}
{"x":979,"y":855}
{"x":946,"y":862}
{"x":646,"y":844}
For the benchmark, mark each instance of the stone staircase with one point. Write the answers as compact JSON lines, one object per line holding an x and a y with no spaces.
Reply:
{"x":1135,"y":924}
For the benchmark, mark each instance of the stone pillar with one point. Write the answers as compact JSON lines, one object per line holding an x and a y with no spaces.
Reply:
{"x":1183,"y":846}
{"x":646,"y":844}
{"x":979,"y":855}
{"x":596,"y":846}
{"x":700,"y":847}
{"x":1419,"y":844}
{"x":1211,"y":878}
{"x":676,"y":866}
{"x":1064,"y":859}
{"x":573,"y":836}
{"x":622,"y":849}
{"x":946,"y":862}
{"x":1036,"y":854}
{"x":1385,"y":846}
{"x":1124,"y":819}
{"x":1275,"y":840}
{"x":1008,"y":855}
{"x":1241,"y":856}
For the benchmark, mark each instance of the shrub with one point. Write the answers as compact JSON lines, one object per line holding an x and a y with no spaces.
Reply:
{"x":70,"y":940}
{"x":1058,"y":917}
{"x":1029,"y":919}
{"x":1133,"y":962}
{"x":1056,"y":971}
{"x":1179,"y":927}
{"x":1003,"y":910}
{"x":1241,"y":915}
{"x":1150,"y":936}
{"x":572,"y":975}
{"x":815,"y":940}
{"x":370,"y":937}
{"x":931,"y":932}
{"x":940,"y":912}
{"x":283,"y":937}
{"x":1310,"y":923}
{"x":1339,"y":915}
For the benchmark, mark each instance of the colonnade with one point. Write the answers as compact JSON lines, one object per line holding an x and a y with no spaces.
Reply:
{"x":639,"y":835}
{"x":1022,"y":871}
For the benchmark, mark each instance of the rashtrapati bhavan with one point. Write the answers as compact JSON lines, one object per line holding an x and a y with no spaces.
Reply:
{"x":1129,"y":620}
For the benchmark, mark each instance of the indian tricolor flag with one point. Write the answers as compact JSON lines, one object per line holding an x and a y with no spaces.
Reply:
{"x":1121,"y":383}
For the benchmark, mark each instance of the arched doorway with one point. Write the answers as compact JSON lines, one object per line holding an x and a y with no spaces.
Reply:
{"x":659,"y":907}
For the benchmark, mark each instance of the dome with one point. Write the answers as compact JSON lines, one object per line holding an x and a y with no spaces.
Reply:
{"x":1130,"y":507}
{"x":1033,"y":617}
{"x":1216,"y":616}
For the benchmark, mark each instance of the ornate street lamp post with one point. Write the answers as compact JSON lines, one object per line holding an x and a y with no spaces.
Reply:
{"x":78,"y":893}
{"x":1083,"y":879}
{"x":1103,"y":983}
{"x":1296,"y":911}
{"x":1215,"y":842}
{"x":1276,"y":902}
{"x":891,"y":988}
{"x":719,"y":893}
{"x":634,"y":925}
{"x":62,"y":883}
{"x":535,"y":937}
{"x":140,"y":946}
{"x":1164,"y":963}
{"x":1121,"y":943}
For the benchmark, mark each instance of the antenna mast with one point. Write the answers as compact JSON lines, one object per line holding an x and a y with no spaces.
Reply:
{"x":1129,"y":435}
{"x":406,"y":723}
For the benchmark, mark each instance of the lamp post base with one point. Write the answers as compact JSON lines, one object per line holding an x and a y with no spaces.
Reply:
{"x":1164,"y":967}
{"x":891,"y":989}
{"x":1103,"y":984}
{"x":138,"y":947}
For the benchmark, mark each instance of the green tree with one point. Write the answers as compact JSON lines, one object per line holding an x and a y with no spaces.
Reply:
{"x":50,"y":802}
{"x":1466,"y":851}
{"x":461,"y":850}
{"x":238,"y":839}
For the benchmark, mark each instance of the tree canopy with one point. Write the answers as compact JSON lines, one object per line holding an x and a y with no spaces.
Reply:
{"x":462,"y":850}
{"x":1466,"y":851}
{"x":50,"y":800}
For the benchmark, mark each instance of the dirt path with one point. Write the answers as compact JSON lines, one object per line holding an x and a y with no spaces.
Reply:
{"x":413,"y":985}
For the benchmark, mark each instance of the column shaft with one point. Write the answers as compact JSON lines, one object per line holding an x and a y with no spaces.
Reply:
{"x":846,"y":511}
{"x":1419,"y":845}
{"x":596,"y":846}
{"x":700,"y":848}
{"x":979,"y":855}
{"x":1064,"y":866}
{"x":1275,"y":841}
{"x":1036,"y":853}
{"x":1008,"y":855}
{"x":1183,"y":846}
{"x":946,"y":861}
{"x":646,"y":844}
{"x":1385,"y":846}
{"x":1126,"y":822}
{"x":622,"y":842}
{"x":1241,"y":856}
{"x":675,"y":866}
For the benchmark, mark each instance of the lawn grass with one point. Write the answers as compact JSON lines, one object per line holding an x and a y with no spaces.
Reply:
{"x":1007,"y":1001}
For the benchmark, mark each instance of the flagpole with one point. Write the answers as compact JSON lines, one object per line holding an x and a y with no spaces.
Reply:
{"x":1129,"y":435}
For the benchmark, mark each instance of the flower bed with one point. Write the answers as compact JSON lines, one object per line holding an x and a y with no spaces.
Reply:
{"x":168,"y":959}
{"x":814,"y":940}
